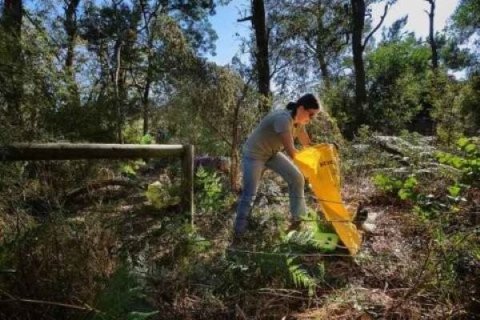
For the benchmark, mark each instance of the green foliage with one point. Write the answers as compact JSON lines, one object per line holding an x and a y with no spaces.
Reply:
{"x":129,"y":168}
{"x":447,"y":109}
{"x":283,"y":264}
{"x":426,"y":206}
{"x":446,"y":200}
{"x":146,"y":139}
{"x":210,"y":195}
{"x":163,"y":193}
{"x":466,"y":18}
{"x":453,"y":56}
{"x":467,"y":161}
{"x":387,"y":183}
{"x":212,"y":109}
{"x":276,"y":267}
{"x":339,"y":100}
{"x":123,"y":298}
{"x":397,"y":82}
{"x":307,"y":40}
{"x":404,"y":189}
{"x":133,"y":133}
{"x":407,"y":191}
{"x":469,"y":100}
{"x":300,"y":277}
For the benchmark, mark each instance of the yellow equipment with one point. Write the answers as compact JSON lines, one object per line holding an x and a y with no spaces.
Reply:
{"x":320,"y":165}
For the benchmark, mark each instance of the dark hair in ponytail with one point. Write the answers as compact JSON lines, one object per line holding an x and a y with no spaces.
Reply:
{"x":308,"y":101}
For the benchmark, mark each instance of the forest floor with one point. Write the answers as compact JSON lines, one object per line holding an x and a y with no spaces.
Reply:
{"x":180,"y":271}
{"x":385,"y":280}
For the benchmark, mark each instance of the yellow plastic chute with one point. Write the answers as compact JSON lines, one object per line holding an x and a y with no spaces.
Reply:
{"x":320,"y":165}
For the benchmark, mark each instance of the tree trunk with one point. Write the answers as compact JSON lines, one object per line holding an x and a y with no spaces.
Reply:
{"x":149,"y":17}
{"x":323,"y":67}
{"x":13,"y":89}
{"x":431,"y":36}
{"x":146,"y":106}
{"x":119,"y":88}
{"x":320,"y":46}
{"x":261,"y":54}
{"x":358,"y":23}
{"x":148,"y":84}
{"x":12,"y":16}
{"x":234,"y":154}
{"x":71,"y":30}
{"x":70,"y":25}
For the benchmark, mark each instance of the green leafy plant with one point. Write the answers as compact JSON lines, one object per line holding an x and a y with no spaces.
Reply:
{"x":404,"y":189}
{"x":467,"y":161}
{"x":300,"y":276}
{"x":130,"y":168}
{"x":426,"y":206}
{"x":146,"y":139}
{"x":123,"y":298}
{"x":162,"y":195}
{"x":209,"y":193}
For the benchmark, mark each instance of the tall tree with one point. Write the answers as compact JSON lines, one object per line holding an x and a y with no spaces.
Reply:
{"x":108,"y":32}
{"x":143,"y":48}
{"x":330,"y":37}
{"x":71,"y":30}
{"x":307,"y":36}
{"x":150,"y":21}
{"x":190,"y":20}
{"x":431,"y":35}
{"x":11,"y":81}
{"x":358,"y":14}
{"x":466,"y":24}
{"x":261,"y":53}
{"x":12,"y":16}
{"x":466,"y":18}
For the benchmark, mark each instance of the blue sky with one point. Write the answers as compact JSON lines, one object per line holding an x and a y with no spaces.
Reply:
{"x":228,"y":29}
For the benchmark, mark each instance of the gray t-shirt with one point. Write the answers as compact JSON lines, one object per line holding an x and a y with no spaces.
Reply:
{"x":265,"y":140}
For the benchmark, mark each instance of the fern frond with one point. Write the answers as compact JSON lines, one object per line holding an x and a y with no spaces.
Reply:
{"x":301,"y":241}
{"x":300,"y":277}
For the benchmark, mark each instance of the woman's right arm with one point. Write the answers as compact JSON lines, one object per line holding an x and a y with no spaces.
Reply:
{"x":287,"y":140}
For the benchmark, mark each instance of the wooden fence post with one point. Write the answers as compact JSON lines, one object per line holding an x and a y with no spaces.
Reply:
{"x":188,"y":175}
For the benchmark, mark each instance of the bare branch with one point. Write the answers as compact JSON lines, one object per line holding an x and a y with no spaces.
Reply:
{"x":279,"y":68}
{"x":147,"y":20}
{"x":51,"y":303}
{"x":310,"y":45}
{"x":249,"y":18}
{"x":377,"y":27}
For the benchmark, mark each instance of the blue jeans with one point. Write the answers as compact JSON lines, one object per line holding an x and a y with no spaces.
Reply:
{"x":252,"y":173}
